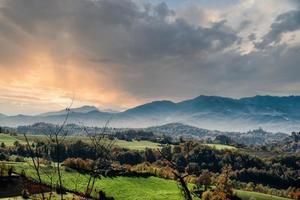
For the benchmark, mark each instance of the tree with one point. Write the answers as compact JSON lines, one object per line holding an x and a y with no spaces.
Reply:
{"x":16,"y":143}
{"x":223,"y":183}
{"x":204,"y":179}
{"x":166,"y":151}
{"x":223,"y":139}
{"x":80,"y":149}
{"x":129,"y":157}
{"x":296,"y":136}
{"x":3,"y":145}
{"x":149,"y":155}
{"x":3,"y":156}
{"x":250,"y":186}
{"x":224,"y":188}
{"x":180,"y":162}
{"x":35,"y":157}
{"x":56,"y":137}
{"x":177,"y":172}
{"x":101,"y":147}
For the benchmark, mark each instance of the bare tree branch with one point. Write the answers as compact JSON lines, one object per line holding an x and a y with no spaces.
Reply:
{"x":183,"y":186}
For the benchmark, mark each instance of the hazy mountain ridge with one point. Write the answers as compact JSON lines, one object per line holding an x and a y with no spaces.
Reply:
{"x":83,"y":109}
{"x":253,"y":137}
{"x":210,"y":112}
{"x":173,"y":130}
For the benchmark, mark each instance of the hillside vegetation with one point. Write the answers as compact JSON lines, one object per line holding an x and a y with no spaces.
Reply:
{"x":9,"y":140}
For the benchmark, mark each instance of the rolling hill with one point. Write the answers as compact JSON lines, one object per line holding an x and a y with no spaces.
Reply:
{"x":272,"y":113}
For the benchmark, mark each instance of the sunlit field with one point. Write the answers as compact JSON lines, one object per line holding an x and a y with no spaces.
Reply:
{"x":134,"y":145}
{"x":126,"y":188}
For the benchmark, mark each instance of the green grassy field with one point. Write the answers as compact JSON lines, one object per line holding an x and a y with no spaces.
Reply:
{"x":221,"y":146}
{"x":246,"y":195}
{"x":136,"y":145}
{"x":8,"y":140}
{"x":54,"y":196}
{"x":131,"y":188}
{"x":121,"y":188}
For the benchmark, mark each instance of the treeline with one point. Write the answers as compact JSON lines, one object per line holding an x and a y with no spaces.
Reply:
{"x":171,"y":132}
{"x":290,"y":144}
{"x":191,"y":157}
{"x":42,"y":128}
{"x":132,"y":134}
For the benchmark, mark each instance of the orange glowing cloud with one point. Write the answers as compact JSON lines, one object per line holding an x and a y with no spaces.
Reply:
{"x":44,"y":84}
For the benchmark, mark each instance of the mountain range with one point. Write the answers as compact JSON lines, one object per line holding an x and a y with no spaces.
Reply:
{"x":272,"y":113}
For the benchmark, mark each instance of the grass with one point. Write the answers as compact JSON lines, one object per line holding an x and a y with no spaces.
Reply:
{"x":139,"y":188}
{"x":137,"y":145}
{"x":221,"y":146}
{"x":134,"y":145}
{"x":54,"y":196}
{"x":8,"y":140}
{"x":246,"y":195}
{"x":121,"y":188}
{"x":131,"y":188}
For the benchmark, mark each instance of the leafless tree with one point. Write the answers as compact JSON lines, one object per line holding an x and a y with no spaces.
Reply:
{"x":180,"y":177}
{"x":56,"y":137}
{"x":101,"y":146}
{"x":35,"y":158}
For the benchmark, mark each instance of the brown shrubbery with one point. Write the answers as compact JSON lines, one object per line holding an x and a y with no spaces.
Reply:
{"x":78,"y":164}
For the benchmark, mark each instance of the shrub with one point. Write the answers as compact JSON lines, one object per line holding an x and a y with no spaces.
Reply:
{"x":131,"y":158}
{"x":19,"y":159}
{"x":3,"y":156}
{"x":78,"y":164}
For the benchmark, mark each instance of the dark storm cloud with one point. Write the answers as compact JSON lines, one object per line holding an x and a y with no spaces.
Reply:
{"x":149,"y":51}
{"x":274,"y":71}
{"x":244,"y":24}
{"x":286,"y":22}
{"x":252,"y":36}
{"x":116,"y":28}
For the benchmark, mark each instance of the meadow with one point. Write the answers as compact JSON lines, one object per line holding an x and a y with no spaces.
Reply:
{"x":221,"y":146}
{"x":120,"y":187}
{"x":128,"y":188}
{"x":133,"y":145}
{"x":246,"y":195}
{"x":9,"y":140}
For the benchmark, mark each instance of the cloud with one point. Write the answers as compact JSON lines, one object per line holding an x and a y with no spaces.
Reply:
{"x":286,"y":22}
{"x":112,"y":30}
{"x":117,"y":54}
{"x":252,"y":36}
{"x":244,"y":24}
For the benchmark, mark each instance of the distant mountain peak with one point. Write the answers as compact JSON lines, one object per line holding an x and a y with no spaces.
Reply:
{"x":110,"y":110}
{"x":85,"y":109}
{"x":161,"y":102}
{"x":152,"y":106}
{"x":82,"y":109}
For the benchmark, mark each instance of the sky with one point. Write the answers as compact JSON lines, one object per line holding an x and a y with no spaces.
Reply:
{"x":121,"y":53}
